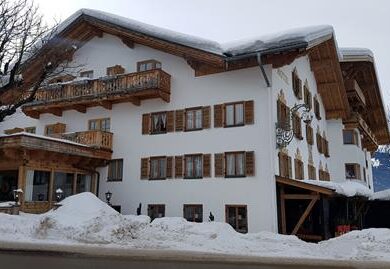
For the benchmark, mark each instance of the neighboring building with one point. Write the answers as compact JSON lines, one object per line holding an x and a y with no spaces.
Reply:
{"x":188,"y":127}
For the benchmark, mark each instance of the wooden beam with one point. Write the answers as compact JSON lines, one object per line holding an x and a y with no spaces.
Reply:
{"x":80,"y":108}
{"x":135,"y":101}
{"x":55,"y":111}
{"x":165,"y":96}
{"x":300,"y":196}
{"x":323,"y":87}
{"x":303,"y":185}
{"x":304,"y":215}
{"x":317,"y":65}
{"x":283,"y":211}
{"x":128,"y":42}
{"x":106,"y":104}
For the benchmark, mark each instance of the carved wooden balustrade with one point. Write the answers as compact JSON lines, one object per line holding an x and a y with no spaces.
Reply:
{"x":97,"y":139}
{"x":79,"y":95}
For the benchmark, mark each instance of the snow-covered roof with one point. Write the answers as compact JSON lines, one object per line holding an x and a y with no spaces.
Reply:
{"x":348,"y":188}
{"x":305,"y":36}
{"x":356,"y":54}
{"x":381,"y":195}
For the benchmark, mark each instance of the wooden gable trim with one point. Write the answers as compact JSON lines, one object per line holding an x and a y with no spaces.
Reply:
{"x":303,"y":185}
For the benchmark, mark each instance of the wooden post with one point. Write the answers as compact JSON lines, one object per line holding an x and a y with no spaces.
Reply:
{"x":22,"y":182}
{"x":51,"y":187}
{"x":325,"y":216}
{"x":283,"y":211}
{"x":74,"y":186}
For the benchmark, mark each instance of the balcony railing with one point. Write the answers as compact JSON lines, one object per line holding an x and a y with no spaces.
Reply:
{"x":97,"y":139}
{"x":132,"y":87}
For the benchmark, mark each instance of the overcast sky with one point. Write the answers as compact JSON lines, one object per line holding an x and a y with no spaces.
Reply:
{"x":358,"y":23}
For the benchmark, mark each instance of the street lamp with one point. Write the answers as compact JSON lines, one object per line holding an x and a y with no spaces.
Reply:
{"x":59,"y":195}
{"x":108,"y":197}
{"x":284,"y":131}
{"x":17,"y":195}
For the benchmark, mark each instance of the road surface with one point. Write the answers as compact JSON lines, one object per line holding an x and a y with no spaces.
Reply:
{"x":31,"y":256}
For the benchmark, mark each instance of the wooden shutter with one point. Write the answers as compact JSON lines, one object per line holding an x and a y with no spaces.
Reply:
{"x":249,"y":112}
{"x":219,"y":164}
{"x":146,"y":124}
{"x":179,"y":120}
{"x":299,"y":90}
{"x":178,"y":166}
{"x":144,"y":168}
{"x":289,"y":167}
{"x":218,"y":116}
{"x":169,"y":167}
{"x":170,"y":121}
{"x":250,"y":163}
{"x":206,"y":165}
{"x":279,"y":110}
{"x":280,"y":156}
{"x":206,"y":117}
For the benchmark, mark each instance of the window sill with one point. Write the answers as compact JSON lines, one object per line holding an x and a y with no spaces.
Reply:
{"x":154,"y":179}
{"x":157,"y":133}
{"x":193,"y":130}
{"x":189,"y":178}
{"x":236,"y":125}
{"x":232,"y":176}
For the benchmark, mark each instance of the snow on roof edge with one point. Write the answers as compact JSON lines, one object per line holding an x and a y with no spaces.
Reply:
{"x":347,"y":188}
{"x":350,"y":54}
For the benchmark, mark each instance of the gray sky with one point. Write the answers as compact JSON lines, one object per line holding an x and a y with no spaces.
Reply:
{"x":358,"y":23}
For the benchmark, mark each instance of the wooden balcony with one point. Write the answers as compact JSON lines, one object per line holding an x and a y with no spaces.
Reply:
{"x":369,"y":141}
{"x":355,"y":95}
{"x":79,"y":95}
{"x":94,"y":139}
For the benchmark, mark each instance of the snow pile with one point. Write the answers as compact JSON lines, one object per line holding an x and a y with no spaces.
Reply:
{"x":348,"y":188}
{"x":381,"y":195}
{"x":83,"y":219}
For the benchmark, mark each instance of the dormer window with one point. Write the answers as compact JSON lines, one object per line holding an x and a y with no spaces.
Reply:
{"x":87,"y":74}
{"x":148,"y":65}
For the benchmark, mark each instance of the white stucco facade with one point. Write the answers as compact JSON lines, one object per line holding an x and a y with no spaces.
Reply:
{"x":257,"y":192}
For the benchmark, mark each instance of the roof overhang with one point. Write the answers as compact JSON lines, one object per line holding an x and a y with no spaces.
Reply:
{"x":305,"y":186}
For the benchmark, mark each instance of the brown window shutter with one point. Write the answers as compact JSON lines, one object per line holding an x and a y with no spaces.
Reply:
{"x":299,"y":89}
{"x":279,"y":110}
{"x":289,"y":167}
{"x":170,"y":121}
{"x":145,"y":124}
{"x":169,"y":166}
{"x":296,"y":168}
{"x":206,"y":117}
{"x":206,"y":165}
{"x":218,"y":116}
{"x":178,"y":166}
{"x":250,"y":163}
{"x":280,"y":156}
{"x":249,"y":112}
{"x":179,"y":120}
{"x":144,"y":168}
{"x":219,"y":164}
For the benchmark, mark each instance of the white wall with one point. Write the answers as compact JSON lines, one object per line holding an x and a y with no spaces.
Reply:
{"x":282,"y":80}
{"x":258,"y":192}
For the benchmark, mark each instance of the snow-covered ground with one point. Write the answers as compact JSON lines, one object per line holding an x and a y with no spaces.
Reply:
{"x":83,"y":219}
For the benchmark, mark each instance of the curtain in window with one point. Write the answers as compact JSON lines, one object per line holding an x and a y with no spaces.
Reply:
{"x":154,"y":168}
{"x":239,"y":164}
{"x":29,"y":185}
{"x":190,"y":120}
{"x":239,"y":113}
{"x":198,"y":166}
{"x":198,"y":119}
{"x":230,"y":164}
{"x":230,"y":115}
{"x":189,"y":171}
{"x":162,"y":168}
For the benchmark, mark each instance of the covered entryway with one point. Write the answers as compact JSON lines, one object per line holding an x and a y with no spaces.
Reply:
{"x":8,"y":183}
{"x":303,"y":209}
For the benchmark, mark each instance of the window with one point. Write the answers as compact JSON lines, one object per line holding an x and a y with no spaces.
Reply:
{"x":309,"y":134}
{"x":87,"y":74}
{"x":115,"y":170}
{"x":158,"y":168}
{"x":156,"y":211}
{"x":298,"y":169}
{"x":297,"y":126}
{"x":194,"y":165}
{"x":307,"y":96}
{"x":297,"y":84}
{"x":352,"y":171}
{"x":159,"y":123}
{"x":285,"y":169}
{"x":99,"y":125}
{"x":350,"y":137}
{"x":235,"y":163}
{"x":324,"y":175}
{"x":84,"y":183}
{"x":236,"y":216}
{"x":31,"y":130}
{"x":58,"y":128}
{"x":317,"y":108}
{"x":148,"y":65}
{"x":193,"y":119}
{"x":283,"y":113}
{"x":312,"y":172}
{"x":193,"y":213}
{"x":234,"y":114}
{"x":37,"y":185}
{"x":63,"y":181}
